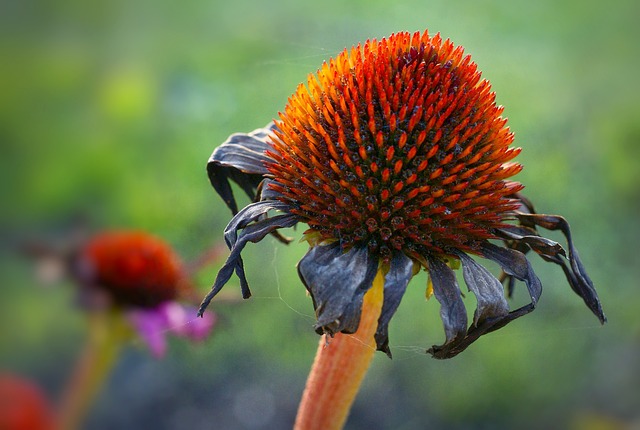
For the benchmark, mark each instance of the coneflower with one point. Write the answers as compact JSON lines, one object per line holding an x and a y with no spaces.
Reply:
{"x":130,"y":283}
{"x":133,"y":267}
{"x":397,"y":158}
{"x":142,"y":276}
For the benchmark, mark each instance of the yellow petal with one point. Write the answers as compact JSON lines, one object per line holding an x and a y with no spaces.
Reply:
{"x":429,"y":291}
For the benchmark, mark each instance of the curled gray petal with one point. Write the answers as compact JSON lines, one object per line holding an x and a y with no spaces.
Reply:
{"x":251,"y":233}
{"x":241,"y":158}
{"x":337,"y":282}
{"x":447,"y":292}
{"x":515,"y":263}
{"x":395,"y":284}
{"x":576,"y":274}
{"x":487,"y":289}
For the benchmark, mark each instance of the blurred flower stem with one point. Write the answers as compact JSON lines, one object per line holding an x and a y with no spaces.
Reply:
{"x":108,"y":331}
{"x":339,"y":367}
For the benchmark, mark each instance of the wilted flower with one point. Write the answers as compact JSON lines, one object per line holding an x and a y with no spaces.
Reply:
{"x":397,"y":158}
{"x":142,"y":276}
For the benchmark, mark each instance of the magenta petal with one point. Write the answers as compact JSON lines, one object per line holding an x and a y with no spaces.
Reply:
{"x":183,"y":322}
{"x":153,"y":324}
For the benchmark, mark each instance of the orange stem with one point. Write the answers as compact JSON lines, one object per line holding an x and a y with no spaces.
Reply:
{"x":339,"y":368}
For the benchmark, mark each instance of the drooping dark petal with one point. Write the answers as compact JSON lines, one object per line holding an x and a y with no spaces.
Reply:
{"x":240,"y":158}
{"x":265,"y":192}
{"x":395,"y":284}
{"x":487,"y":289}
{"x":249,"y":214}
{"x":475,"y":331}
{"x":251,"y":233}
{"x":541,"y":245}
{"x":524,"y":239}
{"x":512,"y":236}
{"x":577,"y":276}
{"x":337,"y":282}
{"x":515,"y":263}
{"x":452,"y":310}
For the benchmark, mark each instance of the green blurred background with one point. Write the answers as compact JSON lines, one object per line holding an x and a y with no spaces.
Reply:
{"x":111,"y":109}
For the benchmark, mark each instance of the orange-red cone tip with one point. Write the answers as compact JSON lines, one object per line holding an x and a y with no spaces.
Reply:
{"x":397,"y":144}
{"x":134,"y":267}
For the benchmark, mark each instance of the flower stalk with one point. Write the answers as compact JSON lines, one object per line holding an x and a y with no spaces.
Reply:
{"x":339,"y":367}
{"x":108,"y":331}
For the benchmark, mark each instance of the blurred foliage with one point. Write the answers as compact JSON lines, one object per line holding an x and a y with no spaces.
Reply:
{"x":110,"y":109}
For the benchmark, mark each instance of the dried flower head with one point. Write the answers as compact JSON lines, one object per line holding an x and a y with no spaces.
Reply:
{"x":397,"y":158}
